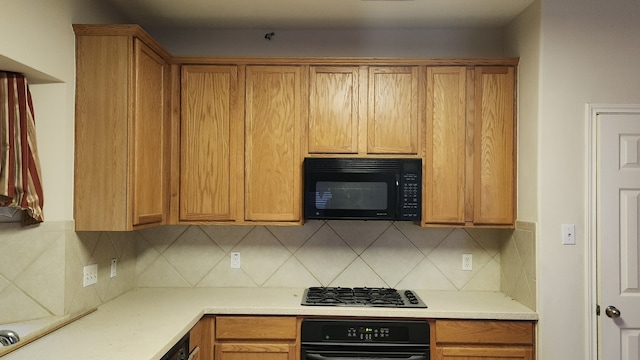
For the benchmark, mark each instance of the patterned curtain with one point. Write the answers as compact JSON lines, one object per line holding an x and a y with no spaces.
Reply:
{"x":20,"y":182}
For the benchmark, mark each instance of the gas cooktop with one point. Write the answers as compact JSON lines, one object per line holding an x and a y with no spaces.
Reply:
{"x":361,"y":296}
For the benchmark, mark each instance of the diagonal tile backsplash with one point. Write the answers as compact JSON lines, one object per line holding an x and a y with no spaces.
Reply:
{"x":336,"y":253}
{"x":41,"y":267}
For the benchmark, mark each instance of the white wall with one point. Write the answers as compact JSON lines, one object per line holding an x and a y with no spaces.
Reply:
{"x":41,"y":38}
{"x":344,"y":42}
{"x":589,"y":52}
{"x":523,"y":40}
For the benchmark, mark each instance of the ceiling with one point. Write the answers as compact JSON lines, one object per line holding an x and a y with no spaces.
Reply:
{"x":307,"y":14}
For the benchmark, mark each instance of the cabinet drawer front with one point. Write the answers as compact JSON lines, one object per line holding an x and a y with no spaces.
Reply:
{"x":484,"y":332}
{"x":255,"y":327}
{"x":479,"y":353}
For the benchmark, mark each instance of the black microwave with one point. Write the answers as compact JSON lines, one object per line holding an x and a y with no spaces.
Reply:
{"x":362,"y":188}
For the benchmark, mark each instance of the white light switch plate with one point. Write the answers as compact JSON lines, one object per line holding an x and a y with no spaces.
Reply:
{"x":568,"y":234}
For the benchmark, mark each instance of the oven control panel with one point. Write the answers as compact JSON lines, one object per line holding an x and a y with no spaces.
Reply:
{"x":368,"y":333}
{"x":365,"y":333}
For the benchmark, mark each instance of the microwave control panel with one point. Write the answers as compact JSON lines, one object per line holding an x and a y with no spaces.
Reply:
{"x":410,"y":196}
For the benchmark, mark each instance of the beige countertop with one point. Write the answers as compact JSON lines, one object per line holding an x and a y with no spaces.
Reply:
{"x":145,"y":323}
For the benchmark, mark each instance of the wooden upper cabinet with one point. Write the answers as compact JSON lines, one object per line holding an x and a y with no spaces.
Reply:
{"x":444,"y":161}
{"x":333,"y":109}
{"x":210,"y":135}
{"x":122,"y":129}
{"x":469,"y":160}
{"x":150,"y":141}
{"x":392,"y":116}
{"x":494,"y":146}
{"x":273,"y":141}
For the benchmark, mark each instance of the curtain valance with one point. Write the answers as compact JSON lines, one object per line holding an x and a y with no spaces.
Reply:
{"x":20,"y":181}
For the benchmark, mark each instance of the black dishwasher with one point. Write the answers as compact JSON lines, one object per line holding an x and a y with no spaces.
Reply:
{"x":179,"y":351}
{"x":333,"y":339}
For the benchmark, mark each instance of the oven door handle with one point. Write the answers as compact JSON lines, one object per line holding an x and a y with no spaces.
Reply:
{"x":381,"y":357}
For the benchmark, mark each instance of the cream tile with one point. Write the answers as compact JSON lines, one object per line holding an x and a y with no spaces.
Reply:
{"x":226,"y":236}
{"x":20,"y":249}
{"x":73,"y":273}
{"x":161,"y":274}
{"x":425,"y":239}
{"x":146,"y":255}
{"x":510,"y":265}
{"x":18,"y":306}
{"x":293,"y":237}
{"x":102,"y":255}
{"x":84,"y":244}
{"x":125,"y":278}
{"x":193,"y":254}
{"x":522,"y":291}
{"x":359,"y":234}
{"x":3,"y":283}
{"x":160,"y":237}
{"x":447,"y":257}
{"x":292,"y":274}
{"x":86,"y":298}
{"x":426,"y":276}
{"x":358,"y":274}
{"x":490,"y":239}
{"x":392,"y":256}
{"x":222,"y":275}
{"x":122,"y":240}
{"x":487,"y":279}
{"x":261,"y":254}
{"x":44,"y":279}
{"x":325,"y":255}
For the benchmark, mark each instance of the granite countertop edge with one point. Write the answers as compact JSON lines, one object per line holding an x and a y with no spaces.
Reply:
{"x":144,"y":323}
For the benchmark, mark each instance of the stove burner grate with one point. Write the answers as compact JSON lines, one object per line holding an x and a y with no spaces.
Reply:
{"x":361,"y":296}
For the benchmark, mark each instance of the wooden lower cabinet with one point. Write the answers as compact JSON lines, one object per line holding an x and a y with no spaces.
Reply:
{"x":483,"y":353}
{"x":201,"y":339}
{"x":255,"y":351}
{"x":255,"y":338}
{"x":483,"y":340}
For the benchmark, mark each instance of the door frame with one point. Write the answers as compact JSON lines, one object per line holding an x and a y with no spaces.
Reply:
{"x":592,"y":113}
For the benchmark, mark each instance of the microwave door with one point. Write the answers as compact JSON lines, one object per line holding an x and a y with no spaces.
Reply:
{"x":351,"y":196}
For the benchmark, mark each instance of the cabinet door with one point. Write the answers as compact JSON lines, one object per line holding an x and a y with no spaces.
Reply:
{"x":210,"y":117}
{"x":444,"y":162}
{"x":483,"y":353}
{"x":333,"y":109}
{"x":101,"y":161}
{"x":254,"y":351}
{"x":149,"y":138}
{"x":273,"y":166}
{"x":392,"y":119}
{"x":494,"y":150}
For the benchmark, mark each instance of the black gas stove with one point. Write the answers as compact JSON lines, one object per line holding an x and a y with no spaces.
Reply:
{"x":361,"y":296}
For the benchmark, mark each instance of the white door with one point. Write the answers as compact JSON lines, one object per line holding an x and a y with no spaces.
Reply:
{"x":618,"y":234}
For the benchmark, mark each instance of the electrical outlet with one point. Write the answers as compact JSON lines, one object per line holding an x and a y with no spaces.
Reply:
{"x":467,"y":262}
{"x":90,"y":275}
{"x":114,"y":264}
{"x":235,"y":260}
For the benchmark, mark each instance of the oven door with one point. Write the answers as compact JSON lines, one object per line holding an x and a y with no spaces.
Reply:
{"x":363,"y":353}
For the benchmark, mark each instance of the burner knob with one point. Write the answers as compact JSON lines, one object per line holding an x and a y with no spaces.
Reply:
{"x":412,"y":298}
